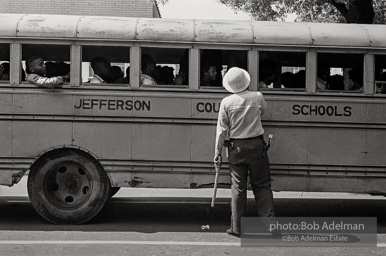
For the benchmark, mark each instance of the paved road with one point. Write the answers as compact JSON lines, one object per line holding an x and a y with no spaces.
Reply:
{"x":168,"y":222}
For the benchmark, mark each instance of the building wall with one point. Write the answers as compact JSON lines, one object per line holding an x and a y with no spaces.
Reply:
{"x":125,"y":8}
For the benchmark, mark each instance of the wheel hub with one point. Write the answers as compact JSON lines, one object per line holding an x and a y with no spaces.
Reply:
{"x":68,"y":185}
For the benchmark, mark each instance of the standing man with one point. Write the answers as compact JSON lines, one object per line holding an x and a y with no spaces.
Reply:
{"x":240,"y":118}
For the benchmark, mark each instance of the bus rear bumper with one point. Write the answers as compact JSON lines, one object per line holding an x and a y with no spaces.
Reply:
{"x":9,"y":178}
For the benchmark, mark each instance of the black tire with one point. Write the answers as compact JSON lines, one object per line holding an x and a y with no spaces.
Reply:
{"x":68,"y":186}
{"x":113,"y":191}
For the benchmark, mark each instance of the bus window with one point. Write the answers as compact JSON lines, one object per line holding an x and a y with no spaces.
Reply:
{"x":4,"y":63}
{"x":105,"y":64}
{"x":282,"y":70}
{"x":164,"y":67}
{"x":56,"y":58}
{"x":345,"y":72}
{"x":380,"y":74}
{"x":215,"y":63}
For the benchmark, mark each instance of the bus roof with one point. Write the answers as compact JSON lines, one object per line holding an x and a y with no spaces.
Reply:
{"x":192,"y":31}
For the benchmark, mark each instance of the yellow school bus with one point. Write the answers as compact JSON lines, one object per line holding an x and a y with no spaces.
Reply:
{"x":82,"y":141}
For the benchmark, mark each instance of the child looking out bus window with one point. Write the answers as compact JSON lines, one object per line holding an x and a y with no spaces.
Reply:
{"x":37,"y":74}
{"x":209,"y":74}
{"x":103,"y":72}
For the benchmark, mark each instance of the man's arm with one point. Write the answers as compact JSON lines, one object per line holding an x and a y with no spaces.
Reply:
{"x":263,"y":104}
{"x":45,"y":81}
{"x":222,"y":129}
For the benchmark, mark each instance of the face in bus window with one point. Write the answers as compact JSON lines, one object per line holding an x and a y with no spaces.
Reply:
{"x":38,"y":67}
{"x":209,"y":76}
{"x":106,"y":71}
{"x":103,"y":69}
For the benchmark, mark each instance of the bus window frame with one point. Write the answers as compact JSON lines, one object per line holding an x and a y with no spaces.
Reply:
{"x":95,"y":86}
{"x":368,"y":71}
{"x":165,"y":45}
{"x":16,"y":53}
{"x":309,"y":75}
{"x":222,"y":47}
{"x":194,"y":61}
{"x":135,"y":64}
{"x":7,"y":82}
{"x":375,"y":53}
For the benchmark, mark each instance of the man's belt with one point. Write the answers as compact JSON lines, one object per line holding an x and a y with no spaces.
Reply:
{"x":251,"y":138}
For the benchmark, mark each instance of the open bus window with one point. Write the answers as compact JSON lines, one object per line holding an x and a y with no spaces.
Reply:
{"x":56,"y":59}
{"x":105,"y":64}
{"x":164,"y":67}
{"x":282,"y":70}
{"x":4,"y":63}
{"x":344,"y":72}
{"x":380,"y":74}
{"x":215,"y":63}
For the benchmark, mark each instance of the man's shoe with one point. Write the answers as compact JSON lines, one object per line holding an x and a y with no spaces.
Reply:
{"x":230,"y":232}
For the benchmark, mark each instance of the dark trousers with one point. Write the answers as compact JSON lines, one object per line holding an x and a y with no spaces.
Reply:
{"x":246,"y":157}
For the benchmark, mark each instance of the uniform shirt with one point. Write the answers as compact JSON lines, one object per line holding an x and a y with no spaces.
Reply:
{"x":97,"y":80}
{"x":321,"y":85}
{"x":239,"y":117}
{"x":44,"y":81}
{"x":147,"y":80}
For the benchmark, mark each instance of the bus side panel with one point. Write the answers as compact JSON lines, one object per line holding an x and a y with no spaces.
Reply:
{"x":376,"y":113}
{"x":376,"y":151}
{"x":288,"y":146}
{"x":158,"y":179}
{"x":337,"y":184}
{"x":168,"y":177}
{"x":5,"y":126}
{"x":203,"y":139}
{"x":32,"y":138}
{"x":5,"y":138}
{"x":107,"y":140}
{"x":168,"y":142}
{"x":314,"y":110}
{"x":289,"y":182}
{"x":53,"y":103}
{"x":337,"y":146}
{"x":165,"y":106}
{"x":6,"y":103}
{"x":38,"y":128}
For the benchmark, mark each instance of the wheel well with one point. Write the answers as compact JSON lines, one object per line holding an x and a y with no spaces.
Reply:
{"x":58,"y":151}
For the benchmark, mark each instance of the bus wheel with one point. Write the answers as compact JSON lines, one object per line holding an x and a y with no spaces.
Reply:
{"x":68,"y":186}
{"x":113,"y":191}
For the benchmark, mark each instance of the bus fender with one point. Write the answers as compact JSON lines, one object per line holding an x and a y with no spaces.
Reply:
{"x":66,"y":147}
{"x":10,"y":178}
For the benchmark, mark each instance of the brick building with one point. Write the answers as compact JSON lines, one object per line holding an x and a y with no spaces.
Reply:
{"x":125,"y":8}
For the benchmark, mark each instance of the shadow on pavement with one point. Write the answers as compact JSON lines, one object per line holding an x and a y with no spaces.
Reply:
{"x":155,"y":215}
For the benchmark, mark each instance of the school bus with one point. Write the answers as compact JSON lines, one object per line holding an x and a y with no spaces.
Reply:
{"x":81,"y":142}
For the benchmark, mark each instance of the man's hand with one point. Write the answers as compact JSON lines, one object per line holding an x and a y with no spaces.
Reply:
{"x":66,"y":77}
{"x":217,"y":160}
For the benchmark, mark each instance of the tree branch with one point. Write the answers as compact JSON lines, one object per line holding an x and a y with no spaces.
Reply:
{"x":340,"y":6}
